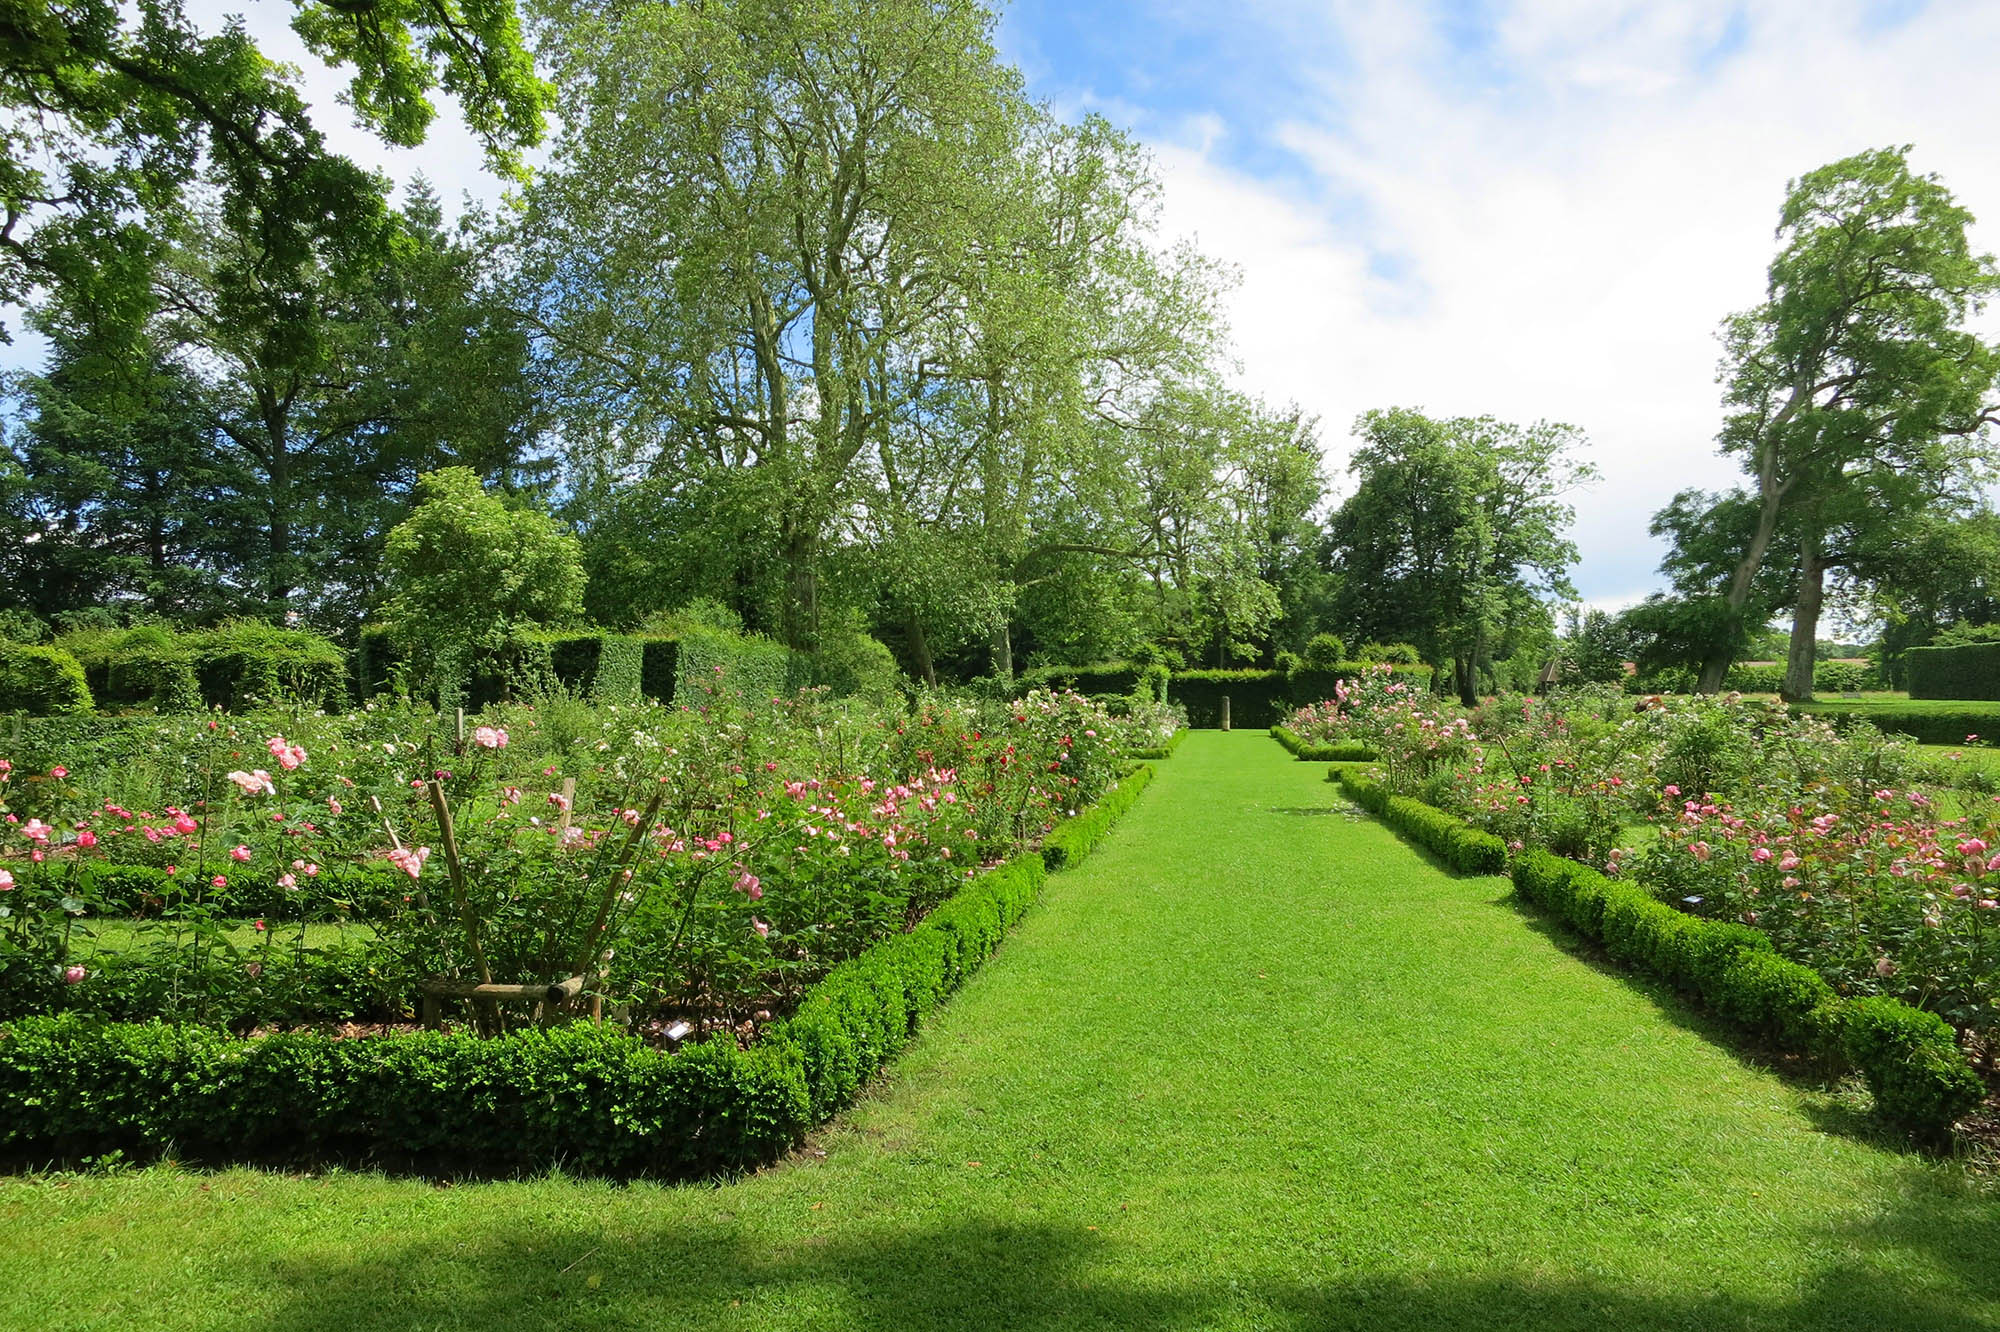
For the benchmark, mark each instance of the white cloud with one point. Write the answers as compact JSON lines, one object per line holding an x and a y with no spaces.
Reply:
{"x":1566,"y":236}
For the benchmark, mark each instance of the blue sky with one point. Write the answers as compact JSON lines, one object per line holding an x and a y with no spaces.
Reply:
{"x":1539,"y":209}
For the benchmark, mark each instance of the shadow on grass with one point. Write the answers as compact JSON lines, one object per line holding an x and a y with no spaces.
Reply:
{"x":1848,"y":1119}
{"x":1026,"y":1278}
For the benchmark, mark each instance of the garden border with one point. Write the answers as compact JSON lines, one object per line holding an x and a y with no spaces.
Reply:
{"x":1346,"y":751}
{"x":584,"y":1098}
{"x":1910,"y":1059}
{"x":1164,"y":750}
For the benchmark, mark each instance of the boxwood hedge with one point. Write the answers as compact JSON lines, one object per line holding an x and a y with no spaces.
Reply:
{"x":1343,"y":751}
{"x":1464,"y":848}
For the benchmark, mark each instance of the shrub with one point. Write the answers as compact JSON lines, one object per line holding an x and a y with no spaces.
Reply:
{"x":855,"y":665}
{"x":1967,"y":670}
{"x":697,"y":657}
{"x":1396,"y":654}
{"x":1072,"y":840}
{"x":1324,"y":652}
{"x":41,"y":681}
{"x":1343,"y":751}
{"x":604,"y":666}
{"x":246,"y":660}
{"x":1911,"y":1061}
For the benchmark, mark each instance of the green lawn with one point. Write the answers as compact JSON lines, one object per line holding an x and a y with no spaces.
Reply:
{"x":120,"y":935}
{"x":1254,"y":1065}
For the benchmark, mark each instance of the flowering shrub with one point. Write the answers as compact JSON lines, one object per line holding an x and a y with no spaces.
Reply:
{"x":709,"y":860}
{"x":1889,"y":900}
{"x":1412,"y":733}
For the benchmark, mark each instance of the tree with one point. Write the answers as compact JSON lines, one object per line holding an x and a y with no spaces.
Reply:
{"x":1859,"y":400}
{"x":118,"y":110}
{"x":1454,"y":531}
{"x":1595,"y":647}
{"x":119,"y":492}
{"x":465,"y":571}
{"x":751,"y":209}
{"x":285,"y":411}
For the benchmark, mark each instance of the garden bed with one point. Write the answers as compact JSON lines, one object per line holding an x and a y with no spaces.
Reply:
{"x":742,"y":1081}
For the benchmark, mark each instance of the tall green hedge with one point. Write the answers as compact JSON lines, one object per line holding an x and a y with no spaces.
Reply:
{"x":700,"y":658}
{"x":171,"y":671}
{"x":1964,"y":670}
{"x":1262,"y":699}
{"x":590,"y":1099}
{"x":1257,"y":699}
{"x":41,"y":681}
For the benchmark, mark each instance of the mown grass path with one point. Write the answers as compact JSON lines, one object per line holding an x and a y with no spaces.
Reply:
{"x":1255,"y":1064}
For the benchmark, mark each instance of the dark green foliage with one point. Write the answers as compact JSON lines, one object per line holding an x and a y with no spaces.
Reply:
{"x":1072,"y":840}
{"x":247,"y":661}
{"x":603,"y":666}
{"x":1345,"y":751}
{"x":154,"y":666}
{"x":375,"y":659}
{"x":587,"y":1098}
{"x":344,"y":891}
{"x":1256,"y":698}
{"x":1261,"y":699}
{"x":1104,"y":677}
{"x":41,"y":681}
{"x":1929,"y":722}
{"x":1465,"y":849}
{"x":1967,"y":670}
{"x":703,"y":658}
{"x":1911,"y":1061}
{"x":1325,"y":652}
{"x":1909,"y":1058}
{"x":866,"y":1009}
{"x":591,"y":1098}
{"x":234,"y":988}
{"x":1833,"y":677}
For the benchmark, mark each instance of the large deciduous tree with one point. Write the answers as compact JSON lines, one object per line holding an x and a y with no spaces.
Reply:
{"x":1455,"y":531}
{"x":1859,"y":400}
{"x":115,"y":110}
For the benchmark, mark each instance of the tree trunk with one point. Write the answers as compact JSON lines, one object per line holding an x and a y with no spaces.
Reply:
{"x":1798,"y":686}
{"x":1465,"y":673}
{"x":1003,"y":651}
{"x":800,"y":543}
{"x":1714,"y":668}
{"x":920,"y":648}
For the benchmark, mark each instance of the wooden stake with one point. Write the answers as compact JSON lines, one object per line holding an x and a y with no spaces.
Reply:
{"x":375,"y":804}
{"x":449,"y":841}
